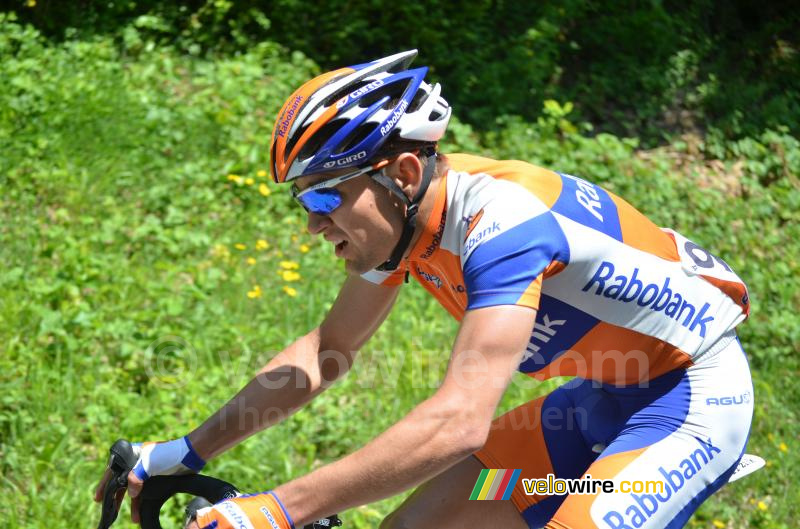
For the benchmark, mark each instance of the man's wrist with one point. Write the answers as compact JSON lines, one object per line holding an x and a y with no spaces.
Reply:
{"x":283,"y":510}
{"x":200,"y":445}
{"x":166,"y":458}
{"x":193,"y":459}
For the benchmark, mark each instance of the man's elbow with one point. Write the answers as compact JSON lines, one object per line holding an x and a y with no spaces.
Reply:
{"x":466,"y":425}
{"x":470,"y":434}
{"x":333,"y":365}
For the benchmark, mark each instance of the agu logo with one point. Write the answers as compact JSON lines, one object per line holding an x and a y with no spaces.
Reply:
{"x":744,"y":398}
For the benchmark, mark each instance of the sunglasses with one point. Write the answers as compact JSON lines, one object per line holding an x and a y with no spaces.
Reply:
{"x":323,"y":198}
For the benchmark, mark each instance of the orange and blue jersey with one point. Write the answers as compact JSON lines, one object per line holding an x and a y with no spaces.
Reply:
{"x":641,"y":316}
{"x":619,"y":299}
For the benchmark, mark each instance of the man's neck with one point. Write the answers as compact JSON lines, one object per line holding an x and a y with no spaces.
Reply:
{"x":428,"y":201}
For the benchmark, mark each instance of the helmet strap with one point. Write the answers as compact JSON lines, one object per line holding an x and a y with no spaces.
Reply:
{"x":412,"y":208}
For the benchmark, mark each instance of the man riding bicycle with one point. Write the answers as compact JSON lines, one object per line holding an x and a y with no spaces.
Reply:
{"x":547,"y":274}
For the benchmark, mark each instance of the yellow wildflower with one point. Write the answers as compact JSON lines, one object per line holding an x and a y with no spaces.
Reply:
{"x":249,"y":181}
{"x":783,"y":448}
{"x":752,"y":501}
{"x":264,"y":190}
{"x":719,"y":524}
{"x":235,"y":178}
{"x":762,"y":506}
{"x":261,"y":244}
{"x":240,"y":246}
{"x":290,"y":275}
{"x":290,"y":291}
{"x":261,"y":174}
{"x":31,"y":3}
{"x":289,"y":265}
{"x":251,"y":261}
{"x":220,"y":251}
{"x":255,"y":293}
{"x":294,"y":238}
{"x":304,"y":248}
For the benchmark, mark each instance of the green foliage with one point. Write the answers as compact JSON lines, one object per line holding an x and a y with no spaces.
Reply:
{"x":134,"y":226}
{"x":644,"y":69}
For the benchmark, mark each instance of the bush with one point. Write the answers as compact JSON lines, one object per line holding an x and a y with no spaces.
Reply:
{"x":650,"y":70}
{"x":137,"y":221}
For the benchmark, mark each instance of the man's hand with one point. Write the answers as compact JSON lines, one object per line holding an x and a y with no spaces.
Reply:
{"x":258,"y":511}
{"x":154,"y":459}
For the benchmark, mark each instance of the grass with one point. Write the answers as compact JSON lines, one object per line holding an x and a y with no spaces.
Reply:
{"x":132,"y":201}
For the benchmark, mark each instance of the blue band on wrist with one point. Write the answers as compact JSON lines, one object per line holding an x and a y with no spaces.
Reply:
{"x":192,"y":460}
{"x":285,"y":512}
{"x":140,"y":472}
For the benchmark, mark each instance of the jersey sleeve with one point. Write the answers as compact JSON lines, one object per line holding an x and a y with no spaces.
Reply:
{"x":507,"y":266}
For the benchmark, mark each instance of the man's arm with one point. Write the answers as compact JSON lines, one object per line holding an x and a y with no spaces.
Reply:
{"x":301,"y":371}
{"x":441,"y":431}
{"x":291,"y":379}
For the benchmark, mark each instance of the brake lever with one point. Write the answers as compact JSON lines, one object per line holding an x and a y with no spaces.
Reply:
{"x":120,"y":461}
{"x":159,"y":489}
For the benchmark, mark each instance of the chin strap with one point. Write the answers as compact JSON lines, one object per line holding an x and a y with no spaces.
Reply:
{"x":412,"y":208}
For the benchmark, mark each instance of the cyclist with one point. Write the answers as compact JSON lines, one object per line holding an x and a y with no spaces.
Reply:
{"x":547,"y":273}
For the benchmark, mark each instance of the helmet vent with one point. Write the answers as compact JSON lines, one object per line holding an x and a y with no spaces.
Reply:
{"x":356,"y":137}
{"x":419,"y":99}
{"x":436,"y":115}
{"x":294,"y":138}
{"x":394,"y":91}
{"x":317,"y":140}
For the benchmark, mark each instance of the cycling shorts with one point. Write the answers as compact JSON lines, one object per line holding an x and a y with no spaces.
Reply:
{"x":687,"y":429}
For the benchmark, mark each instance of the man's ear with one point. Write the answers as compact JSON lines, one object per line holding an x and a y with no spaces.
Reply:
{"x":408,"y":173}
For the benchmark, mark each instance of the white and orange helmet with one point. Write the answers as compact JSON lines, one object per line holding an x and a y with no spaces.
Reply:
{"x":342,"y":118}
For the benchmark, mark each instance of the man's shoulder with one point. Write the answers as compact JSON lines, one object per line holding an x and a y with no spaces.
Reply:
{"x":505,"y":169}
{"x":539,"y":182}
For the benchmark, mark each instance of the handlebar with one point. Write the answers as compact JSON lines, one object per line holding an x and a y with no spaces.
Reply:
{"x":158,"y":489}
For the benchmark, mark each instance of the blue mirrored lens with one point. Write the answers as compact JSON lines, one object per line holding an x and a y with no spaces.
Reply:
{"x":321,"y":202}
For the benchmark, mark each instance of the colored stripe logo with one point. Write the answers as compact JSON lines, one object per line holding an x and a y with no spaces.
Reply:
{"x":495,"y":484}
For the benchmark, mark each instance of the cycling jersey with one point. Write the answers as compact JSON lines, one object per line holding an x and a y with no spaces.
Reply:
{"x":685,"y":430}
{"x":619,"y":299}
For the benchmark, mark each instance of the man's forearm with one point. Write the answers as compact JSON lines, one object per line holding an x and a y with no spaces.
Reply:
{"x":285,"y":384}
{"x":426,"y":442}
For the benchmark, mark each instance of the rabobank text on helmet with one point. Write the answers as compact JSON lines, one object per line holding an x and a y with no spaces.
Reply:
{"x":395,"y":116}
{"x":287,"y":117}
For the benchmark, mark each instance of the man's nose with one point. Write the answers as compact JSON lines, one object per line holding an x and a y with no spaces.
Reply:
{"x":317,"y":223}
